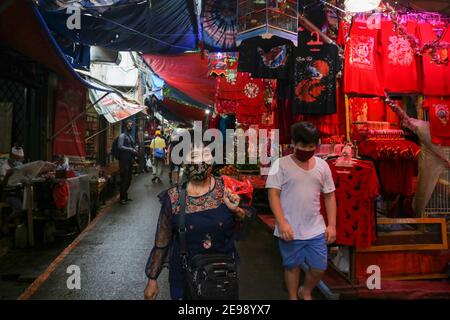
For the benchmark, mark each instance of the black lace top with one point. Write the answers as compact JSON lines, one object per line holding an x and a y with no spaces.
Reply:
{"x":213,"y":221}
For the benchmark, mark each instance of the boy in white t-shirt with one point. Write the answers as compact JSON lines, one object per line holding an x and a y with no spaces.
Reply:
{"x":294,"y":184}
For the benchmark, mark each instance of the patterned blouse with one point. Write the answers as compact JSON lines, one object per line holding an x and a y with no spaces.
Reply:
{"x":210,"y":227}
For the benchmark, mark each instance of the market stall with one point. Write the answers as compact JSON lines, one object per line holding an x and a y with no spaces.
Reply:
{"x":359,"y":77}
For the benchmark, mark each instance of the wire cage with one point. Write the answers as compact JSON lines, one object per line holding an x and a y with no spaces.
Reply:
{"x":267,"y":17}
{"x":440,"y":199}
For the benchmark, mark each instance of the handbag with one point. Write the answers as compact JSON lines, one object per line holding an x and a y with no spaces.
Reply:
{"x":211,"y":276}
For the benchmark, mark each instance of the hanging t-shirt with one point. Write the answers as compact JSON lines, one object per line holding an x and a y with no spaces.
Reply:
{"x":362,"y":62}
{"x":400,"y":63}
{"x":439,"y":115}
{"x":356,"y":189}
{"x":266,"y":58}
{"x":366,"y":109}
{"x":436,"y":77}
{"x":315,"y":79}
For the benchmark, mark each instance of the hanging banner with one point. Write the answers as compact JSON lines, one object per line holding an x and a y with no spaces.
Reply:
{"x":223,"y":64}
{"x":113,"y":107}
{"x":71,"y":101}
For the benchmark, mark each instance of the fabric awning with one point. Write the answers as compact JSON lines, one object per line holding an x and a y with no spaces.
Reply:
{"x":188,"y":113}
{"x":186,"y":72}
{"x":23,"y":29}
{"x":114,"y":107}
{"x":157,"y":26}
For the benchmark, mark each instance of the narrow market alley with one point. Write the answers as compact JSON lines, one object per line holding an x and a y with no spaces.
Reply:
{"x":112,"y":255}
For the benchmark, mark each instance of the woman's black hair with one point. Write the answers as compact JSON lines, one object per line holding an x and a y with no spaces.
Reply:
{"x":305,"y":133}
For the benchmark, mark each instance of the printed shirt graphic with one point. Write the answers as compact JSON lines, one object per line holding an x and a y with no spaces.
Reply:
{"x":362,"y":52}
{"x":267,"y":58}
{"x":400,"y":64}
{"x":362,"y":73}
{"x":315,"y":80}
{"x":439,"y":114}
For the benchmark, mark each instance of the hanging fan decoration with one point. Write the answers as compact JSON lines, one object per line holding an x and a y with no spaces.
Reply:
{"x":219,"y":25}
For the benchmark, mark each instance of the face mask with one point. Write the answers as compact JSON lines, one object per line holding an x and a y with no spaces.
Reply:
{"x":303,"y":155}
{"x":197,"y":172}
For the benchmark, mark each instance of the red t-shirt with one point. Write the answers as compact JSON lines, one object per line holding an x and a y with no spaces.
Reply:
{"x":436,"y":77}
{"x":439,"y":115}
{"x":400,"y":63}
{"x":362,"y":62}
{"x":367,"y":109}
{"x":356,"y":189}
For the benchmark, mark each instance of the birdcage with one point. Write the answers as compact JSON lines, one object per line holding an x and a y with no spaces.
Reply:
{"x":266,"y":18}
{"x":440,"y":199}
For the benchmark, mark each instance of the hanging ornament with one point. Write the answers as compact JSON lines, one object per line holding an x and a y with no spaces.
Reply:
{"x":435,"y":48}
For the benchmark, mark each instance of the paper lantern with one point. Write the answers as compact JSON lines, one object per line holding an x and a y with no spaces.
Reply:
{"x":266,"y":18}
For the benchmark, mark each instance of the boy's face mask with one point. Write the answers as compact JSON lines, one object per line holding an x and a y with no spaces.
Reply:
{"x":304,"y":155}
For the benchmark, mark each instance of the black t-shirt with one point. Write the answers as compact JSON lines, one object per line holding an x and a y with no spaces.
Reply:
{"x":315,"y":79}
{"x":267,"y":58}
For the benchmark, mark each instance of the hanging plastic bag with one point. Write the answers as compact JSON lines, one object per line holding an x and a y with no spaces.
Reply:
{"x":244,"y":187}
{"x":61,"y":194}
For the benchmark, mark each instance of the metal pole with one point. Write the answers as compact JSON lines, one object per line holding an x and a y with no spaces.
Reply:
{"x":77,"y":117}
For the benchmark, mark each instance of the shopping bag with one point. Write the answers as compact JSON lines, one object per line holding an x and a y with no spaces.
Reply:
{"x":244,"y":187}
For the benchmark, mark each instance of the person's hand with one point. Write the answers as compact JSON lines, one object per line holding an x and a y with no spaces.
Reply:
{"x":286,"y":232}
{"x":330,"y":234}
{"x":231,"y":200}
{"x":152,"y":290}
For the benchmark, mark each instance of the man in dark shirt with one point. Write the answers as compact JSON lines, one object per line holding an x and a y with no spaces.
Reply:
{"x":127,"y":151}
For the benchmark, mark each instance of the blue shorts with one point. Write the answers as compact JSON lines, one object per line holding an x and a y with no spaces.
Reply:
{"x":313,"y":252}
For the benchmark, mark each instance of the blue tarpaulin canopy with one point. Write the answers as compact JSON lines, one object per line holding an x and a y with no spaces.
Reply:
{"x":157,"y":26}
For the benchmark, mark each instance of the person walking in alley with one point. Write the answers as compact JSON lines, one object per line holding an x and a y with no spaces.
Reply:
{"x":294,"y":185}
{"x":158,"y":151}
{"x":127,"y":152}
{"x":212,"y":217}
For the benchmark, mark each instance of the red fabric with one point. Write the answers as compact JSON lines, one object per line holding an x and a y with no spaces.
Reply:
{"x":214,"y":121}
{"x":356,"y":189}
{"x":400,"y":63}
{"x":284,"y":119}
{"x":367,"y":109}
{"x":392,"y":117}
{"x":244,"y":96}
{"x":243,"y":187}
{"x":436,"y":80}
{"x":439,"y":115}
{"x":70,"y":102}
{"x":398,"y":163}
{"x":186,"y":72}
{"x":343,"y":32}
{"x":398,"y":176}
{"x":61,"y":195}
{"x":183,"y":111}
{"x":362,"y":62}
{"x":41,"y":49}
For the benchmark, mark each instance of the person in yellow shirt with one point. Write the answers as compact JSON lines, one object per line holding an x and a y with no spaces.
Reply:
{"x":158,"y":153}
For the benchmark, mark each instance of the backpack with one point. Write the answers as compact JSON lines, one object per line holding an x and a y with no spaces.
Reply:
{"x":158,"y":152}
{"x":115,"y":148}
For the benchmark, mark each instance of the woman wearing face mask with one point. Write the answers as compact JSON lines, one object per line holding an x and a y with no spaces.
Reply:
{"x":211,"y":214}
